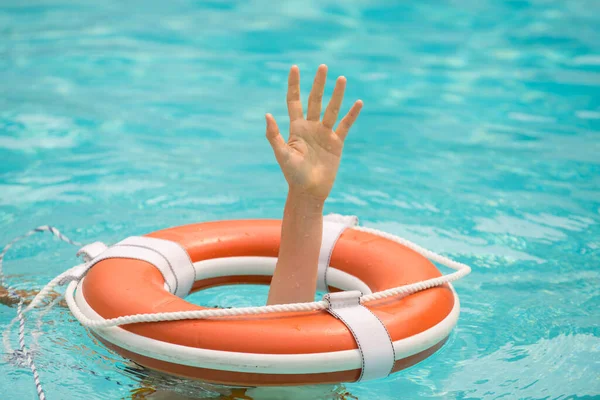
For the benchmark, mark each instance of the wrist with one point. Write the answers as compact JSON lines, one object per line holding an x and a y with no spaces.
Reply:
{"x":305,"y":202}
{"x":305,"y":196}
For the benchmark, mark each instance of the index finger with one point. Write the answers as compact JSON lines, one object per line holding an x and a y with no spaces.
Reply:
{"x":293,"y":94}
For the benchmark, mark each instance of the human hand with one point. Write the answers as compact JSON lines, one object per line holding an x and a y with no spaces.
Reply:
{"x":311,"y":157}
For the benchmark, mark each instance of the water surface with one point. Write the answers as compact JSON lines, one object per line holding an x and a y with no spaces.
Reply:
{"x":479,"y":139}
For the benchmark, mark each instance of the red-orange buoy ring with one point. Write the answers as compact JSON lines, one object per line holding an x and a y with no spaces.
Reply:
{"x":271,"y":349}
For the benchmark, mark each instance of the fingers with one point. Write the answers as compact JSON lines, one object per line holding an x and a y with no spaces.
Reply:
{"x":274,"y":137}
{"x":331,"y":113}
{"x":314,"y":104}
{"x":316,"y":94}
{"x":293,"y":94}
{"x":346,"y":122}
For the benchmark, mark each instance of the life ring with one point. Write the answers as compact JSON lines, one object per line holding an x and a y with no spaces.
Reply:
{"x":287,"y":348}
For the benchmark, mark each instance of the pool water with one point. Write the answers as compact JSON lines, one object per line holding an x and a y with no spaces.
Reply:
{"x":480,"y":139}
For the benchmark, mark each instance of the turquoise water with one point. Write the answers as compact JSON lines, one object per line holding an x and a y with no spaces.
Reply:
{"x":480,"y":138}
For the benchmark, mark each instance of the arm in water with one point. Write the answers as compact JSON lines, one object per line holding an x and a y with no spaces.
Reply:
{"x":309,"y":161}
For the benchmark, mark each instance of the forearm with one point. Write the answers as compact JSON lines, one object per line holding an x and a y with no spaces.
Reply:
{"x":295,"y":277}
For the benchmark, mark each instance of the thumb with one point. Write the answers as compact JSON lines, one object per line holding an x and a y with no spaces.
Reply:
{"x":274,"y":137}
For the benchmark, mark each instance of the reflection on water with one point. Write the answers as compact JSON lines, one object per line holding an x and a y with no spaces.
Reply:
{"x":154,"y":385}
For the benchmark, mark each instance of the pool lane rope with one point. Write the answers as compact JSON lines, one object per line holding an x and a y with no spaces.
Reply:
{"x":73,"y":275}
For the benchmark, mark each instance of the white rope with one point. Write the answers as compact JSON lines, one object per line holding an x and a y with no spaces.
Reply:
{"x":25,"y":352}
{"x":13,"y":294}
{"x":181,"y":315}
{"x":461,"y":271}
{"x":37,"y":300}
{"x":39,"y":329}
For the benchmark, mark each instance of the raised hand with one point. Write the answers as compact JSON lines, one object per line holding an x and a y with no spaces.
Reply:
{"x":311,"y":157}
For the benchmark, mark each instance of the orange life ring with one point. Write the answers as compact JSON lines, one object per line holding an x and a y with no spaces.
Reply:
{"x":418,"y":323}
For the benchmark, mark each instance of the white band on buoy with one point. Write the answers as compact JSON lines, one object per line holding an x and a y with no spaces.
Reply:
{"x":333,"y":226}
{"x":170,"y":258}
{"x":91,"y":251}
{"x":179,"y":260}
{"x":371,"y":336}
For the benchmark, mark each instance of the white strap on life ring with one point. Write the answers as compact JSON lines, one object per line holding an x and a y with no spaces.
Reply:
{"x":373,"y":340}
{"x":333,"y":226}
{"x":91,"y":251}
{"x":170,"y":258}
